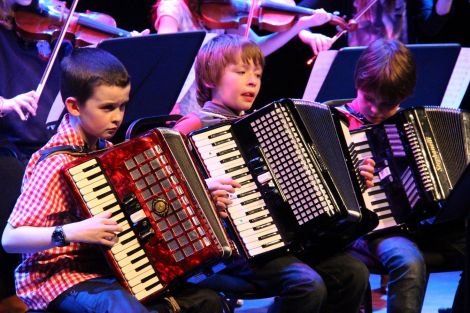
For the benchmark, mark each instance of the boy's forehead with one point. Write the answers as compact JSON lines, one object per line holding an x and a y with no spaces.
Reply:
{"x":237,"y":61}
{"x":109,"y":93}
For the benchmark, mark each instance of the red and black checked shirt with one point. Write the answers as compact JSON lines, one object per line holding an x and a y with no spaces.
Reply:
{"x":46,"y":201}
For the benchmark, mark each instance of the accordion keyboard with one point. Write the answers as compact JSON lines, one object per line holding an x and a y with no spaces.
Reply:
{"x":248,"y":211}
{"x":374,"y":197}
{"x":134,"y":265}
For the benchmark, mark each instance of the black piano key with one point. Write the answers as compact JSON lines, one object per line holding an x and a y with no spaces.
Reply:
{"x":134,"y":251}
{"x":104,"y":185}
{"x":250,"y":201}
{"x":271,"y":243}
{"x":149,"y":277}
{"x":226,"y":151}
{"x":101,"y":196}
{"x":263,"y":226}
{"x":91,"y":177}
{"x":151,"y":286}
{"x":233,"y":169}
{"x":124,"y":242}
{"x":137,"y":259}
{"x":86,"y":169}
{"x":268,"y":235}
{"x":215,"y":135}
{"x":124,"y":232}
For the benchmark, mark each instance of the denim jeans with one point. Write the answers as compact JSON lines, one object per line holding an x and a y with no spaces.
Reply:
{"x":297,"y":286}
{"x":404,"y":263}
{"x":102,"y":295}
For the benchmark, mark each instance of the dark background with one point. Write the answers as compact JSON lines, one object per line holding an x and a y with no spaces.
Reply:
{"x":286,"y":72}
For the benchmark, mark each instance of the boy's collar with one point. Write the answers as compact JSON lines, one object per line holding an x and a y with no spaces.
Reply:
{"x":356,"y":114}
{"x":219,"y":110}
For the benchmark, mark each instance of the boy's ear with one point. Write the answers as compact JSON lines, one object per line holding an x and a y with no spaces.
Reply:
{"x":72,"y":106}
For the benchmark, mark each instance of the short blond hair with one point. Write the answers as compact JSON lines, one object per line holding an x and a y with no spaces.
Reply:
{"x":214,"y":57}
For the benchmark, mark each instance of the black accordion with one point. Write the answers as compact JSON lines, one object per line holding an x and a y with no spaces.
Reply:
{"x":420,"y":154}
{"x":170,"y":226}
{"x":299,"y":187}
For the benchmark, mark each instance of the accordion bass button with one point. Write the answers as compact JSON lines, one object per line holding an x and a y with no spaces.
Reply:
{"x":264,"y":178}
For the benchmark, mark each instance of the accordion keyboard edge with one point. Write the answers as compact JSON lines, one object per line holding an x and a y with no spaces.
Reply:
{"x":170,"y":228}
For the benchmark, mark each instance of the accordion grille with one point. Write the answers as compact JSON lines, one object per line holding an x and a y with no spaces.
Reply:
{"x":450,"y":128}
{"x":292,"y":166}
{"x":318,"y":121}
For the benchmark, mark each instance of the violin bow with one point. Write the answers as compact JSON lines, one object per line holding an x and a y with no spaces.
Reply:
{"x":254,"y":4}
{"x":344,"y":31}
{"x":55,"y":52}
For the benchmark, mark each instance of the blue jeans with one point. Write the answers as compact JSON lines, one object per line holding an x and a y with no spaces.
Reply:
{"x":297,"y":286}
{"x":107,"y":295}
{"x":404,"y":263}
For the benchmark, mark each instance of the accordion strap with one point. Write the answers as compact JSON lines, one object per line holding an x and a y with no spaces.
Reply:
{"x":174,"y":306}
{"x":73,"y":150}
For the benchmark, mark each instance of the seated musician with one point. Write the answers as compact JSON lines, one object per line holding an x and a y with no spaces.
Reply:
{"x":385,"y":76}
{"x":63,"y":268}
{"x":228,"y":75}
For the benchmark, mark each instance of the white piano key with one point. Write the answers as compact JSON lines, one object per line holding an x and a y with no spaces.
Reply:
{"x":140,"y":289}
{"x":250,"y":218}
{"x":251,"y":226}
{"x":127,"y":248}
{"x":95,"y":202}
{"x":145,"y":293}
{"x":219,"y":159}
{"x":259,"y":244}
{"x":94,"y":195}
{"x":377,"y":197}
{"x":138,"y":279}
{"x":84,"y":175}
{"x":237,"y":211}
{"x":217,"y":152}
{"x":100,"y":208}
{"x":225,"y":166}
{"x":204,"y":136}
{"x":260,"y":250}
{"x":130,"y":273}
{"x":87,"y":182}
{"x":79,"y":168}
{"x":100,"y":180}
{"x":126,"y":261}
{"x":264,"y":232}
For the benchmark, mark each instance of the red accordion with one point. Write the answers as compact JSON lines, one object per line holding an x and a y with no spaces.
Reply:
{"x":170,"y":225}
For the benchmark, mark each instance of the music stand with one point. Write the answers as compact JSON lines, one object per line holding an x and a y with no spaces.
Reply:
{"x":158,"y":66}
{"x":435,"y":65}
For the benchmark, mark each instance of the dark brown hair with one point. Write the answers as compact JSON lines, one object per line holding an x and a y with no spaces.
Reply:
{"x":386,"y":69}
{"x":87,"y":68}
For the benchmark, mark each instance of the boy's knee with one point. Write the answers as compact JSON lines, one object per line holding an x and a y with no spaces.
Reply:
{"x":359,"y":274}
{"x":301,"y":278}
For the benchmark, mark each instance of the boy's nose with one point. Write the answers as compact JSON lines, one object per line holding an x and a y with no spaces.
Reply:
{"x":117,"y":117}
{"x":253,"y":80}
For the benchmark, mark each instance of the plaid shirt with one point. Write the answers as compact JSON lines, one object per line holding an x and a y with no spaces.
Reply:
{"x":46,"y":201}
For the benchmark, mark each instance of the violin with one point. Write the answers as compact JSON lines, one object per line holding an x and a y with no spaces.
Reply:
{"x":274,"y":16}
{"x":45,"y":21}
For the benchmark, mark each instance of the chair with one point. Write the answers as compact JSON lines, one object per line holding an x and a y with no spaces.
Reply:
{"x":11,"y":173}
{"x":143,"y":124}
